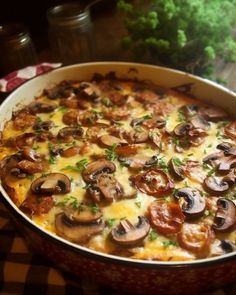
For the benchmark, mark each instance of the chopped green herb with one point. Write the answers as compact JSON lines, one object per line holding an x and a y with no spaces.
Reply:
{"x":177,"y":162}
{"x":110,"y":153}
{"x":106,"y":101}
{"x":63,"y":109}
{"x":110,"y":222}
{"x":30,"y":177}
{"x":168,"y":243}
{"x":153,"y":235}
{"x":118,"y":123}
{"x":138,"y":204}
{"x":94,"y":209}
{"x":181,"y":117}
{"x":52,"y":160}
{"x":69,"y":201}
{"x":80,"y":165}
{"x":147,"y":117}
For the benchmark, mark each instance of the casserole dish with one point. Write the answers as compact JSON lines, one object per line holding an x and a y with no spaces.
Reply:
{"x":134,"y":276}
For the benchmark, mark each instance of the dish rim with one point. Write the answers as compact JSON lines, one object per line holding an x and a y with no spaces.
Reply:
{"x":89,"y":253}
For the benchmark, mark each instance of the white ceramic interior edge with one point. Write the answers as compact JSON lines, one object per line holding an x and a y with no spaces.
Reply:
{"x":203,"y":89}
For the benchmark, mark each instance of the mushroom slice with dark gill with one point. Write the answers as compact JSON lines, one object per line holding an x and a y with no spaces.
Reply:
{"x":194,"y":204}
{"x":126,"y":234}
{"x":107,"y":140}
{"x":77,"y":232}
{"x":213,"y":114}
{"x":182,"y":129}
{"x":199,"y":122}
{"x":93,"y":169}
{"x":89,"y":90}
{"x":31,"y":155}
{"x":68,"y":134}
{"x":107,"y":188}
{"x":83,"y":214}
{"x":41,"y":107}
{"x":230,"y":130}
{"x":228,"y":148}
{"x":215,"y":186}
{"x":53,"y":183}
{"x":176,"y":169}
{"x":225,"y":218}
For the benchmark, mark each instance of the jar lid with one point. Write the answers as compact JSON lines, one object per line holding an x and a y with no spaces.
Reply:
{"x":12,"y":31}
{"x":67,"y":14}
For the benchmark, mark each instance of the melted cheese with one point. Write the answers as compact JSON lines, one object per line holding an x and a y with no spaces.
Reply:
{"x":125,"y":208}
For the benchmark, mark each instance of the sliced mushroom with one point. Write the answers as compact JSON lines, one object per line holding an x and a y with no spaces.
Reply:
{"x":126,"y":234}
{"x":228,"y":148}
{"x":194,"y":204}
{"x":139,"y":135}
{"x":43,"y":125}
{"x":227,"y":246}
{"x":199,"y":122}
{"x":213,"y":159}
{"x":76,"y":232}
{"x":225,"y":218}
{"x":175,"y":170}
{"x":107,"y":189}
{"x":189,"y":110}
{"x":182,"y":129}
{"x":109,"y":140}
{"x":214,"y":186}
{"x":8,"y":163}
{"x":213,"y":114}
{"x":53,"y":183}
{"x":41,"y":107}
{"x":30,"y":154}
{"x":95,"y":168}
{"x":83,"y":214}
{"x":135,"y":162}
{"x":89,"y":90}
{"x":230,"y":130}
{"x":70,"y":152}
{"x":226,"y":164}
{"x":68,"y":134}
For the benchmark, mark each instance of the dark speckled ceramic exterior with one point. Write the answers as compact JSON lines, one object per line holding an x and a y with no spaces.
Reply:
{"x":126,"y":275}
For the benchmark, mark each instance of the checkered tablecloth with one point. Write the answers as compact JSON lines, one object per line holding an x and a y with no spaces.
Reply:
{"x":28,"y":273}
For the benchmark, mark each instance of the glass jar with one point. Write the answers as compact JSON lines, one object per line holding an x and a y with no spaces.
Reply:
{"x":70,"y":34}
{"x":16,"y":48}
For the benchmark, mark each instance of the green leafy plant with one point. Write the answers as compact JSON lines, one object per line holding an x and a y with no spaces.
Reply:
{"x":184,"y":34}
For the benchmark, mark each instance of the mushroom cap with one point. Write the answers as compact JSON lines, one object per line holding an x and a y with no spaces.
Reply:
{"x":77,"y":233}
{"x":215,"y":186}
{"x":176,"y":171}
{"x":53,"y":183}
{"x":225,"y":218}
{"x":129,"y":235}
{"x":95,"y":168}
{"x":195,"y":203}
{"x":83,"y":214}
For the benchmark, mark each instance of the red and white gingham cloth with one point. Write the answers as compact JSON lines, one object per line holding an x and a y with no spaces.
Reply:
{"x":15,"y":79}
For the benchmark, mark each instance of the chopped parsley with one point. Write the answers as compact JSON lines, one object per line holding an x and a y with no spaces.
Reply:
{"x":110,"y":153}
{"x":152,"y":235}
{"x":69,"y":200}
{"x":110,"y":222}
{"x":80,"y":165}
{"x":168,"y":243}
{"x":138,"y":204}
{"x":63,"y":109}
